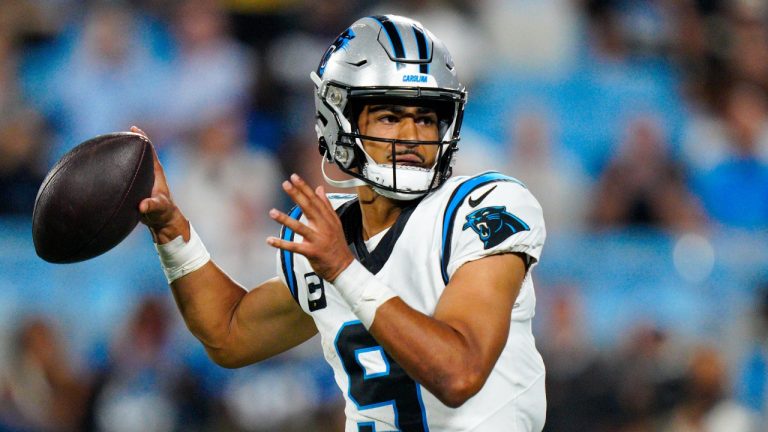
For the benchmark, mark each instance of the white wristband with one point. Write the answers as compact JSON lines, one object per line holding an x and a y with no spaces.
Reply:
{"x":179,"y":258}
{"x":362,"y":291}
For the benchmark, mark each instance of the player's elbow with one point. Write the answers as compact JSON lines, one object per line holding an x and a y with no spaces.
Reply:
{"x":458,"y":389}
{"x":225,"y":358}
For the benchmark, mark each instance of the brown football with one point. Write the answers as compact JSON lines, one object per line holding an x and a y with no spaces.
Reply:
{"x":89,"y":201}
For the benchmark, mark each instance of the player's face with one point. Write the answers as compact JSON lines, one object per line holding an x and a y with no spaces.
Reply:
{"x":400,"y":122}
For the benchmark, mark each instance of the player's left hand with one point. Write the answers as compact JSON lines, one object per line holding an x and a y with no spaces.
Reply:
{"x":323,"y":241}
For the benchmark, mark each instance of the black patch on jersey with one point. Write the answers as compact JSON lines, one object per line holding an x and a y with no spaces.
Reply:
{"x":494,"y":224}
{"x":315,"y":292}
{"x":352,"y":222}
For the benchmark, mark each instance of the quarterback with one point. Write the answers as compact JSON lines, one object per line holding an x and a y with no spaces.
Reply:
{"x":418,"y":284}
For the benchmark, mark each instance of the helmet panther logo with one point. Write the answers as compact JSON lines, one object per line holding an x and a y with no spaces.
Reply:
{"x":494,"y":225}
{"x":340,"y":43}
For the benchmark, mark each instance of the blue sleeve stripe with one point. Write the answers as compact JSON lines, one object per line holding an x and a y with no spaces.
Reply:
{"x":456,"y":200}
{"x":286,"y":257}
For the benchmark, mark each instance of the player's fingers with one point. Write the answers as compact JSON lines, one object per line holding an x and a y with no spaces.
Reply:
{"x":298,"y":196}
{"x":301,"y":184}
{"x":145,"y":205}
{"x":333,"y":216}
{"x":322,"y":210}
{"x":150,"y":210}
{"x":156,"y":165}
{"x":155,"y":207}
{"x":295,"y":225}
{"x":320,"y":192}
{"x":135,"y":129}
{"x":285,"y":244}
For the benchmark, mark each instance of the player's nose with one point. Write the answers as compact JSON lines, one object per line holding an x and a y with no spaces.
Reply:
{"x":408,"y":130}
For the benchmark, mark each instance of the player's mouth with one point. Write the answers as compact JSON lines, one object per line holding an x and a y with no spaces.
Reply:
{"x":409,"y":158}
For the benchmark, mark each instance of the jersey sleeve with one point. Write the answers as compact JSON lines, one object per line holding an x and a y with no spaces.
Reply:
{"x":497,"y":217}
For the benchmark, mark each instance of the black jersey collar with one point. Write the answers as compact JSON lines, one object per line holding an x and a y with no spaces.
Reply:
{"x":352,"y":221}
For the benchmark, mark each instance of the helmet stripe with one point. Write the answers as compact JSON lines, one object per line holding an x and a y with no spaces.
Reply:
{"x":421,"y":43}
{"x":393,"y":34}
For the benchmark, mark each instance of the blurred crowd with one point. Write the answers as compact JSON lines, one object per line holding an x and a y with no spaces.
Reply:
{"x":641,"y":126}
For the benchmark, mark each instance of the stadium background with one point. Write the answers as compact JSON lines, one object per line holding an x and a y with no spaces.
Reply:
{"x":641,"y":125}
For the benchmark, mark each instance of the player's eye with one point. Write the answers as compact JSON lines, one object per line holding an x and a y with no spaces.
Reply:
{"x":388,"y":118}
{"x":427,"y":120}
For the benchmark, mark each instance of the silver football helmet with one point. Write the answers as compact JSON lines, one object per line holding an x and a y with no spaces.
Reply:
{"x":386,"y":58}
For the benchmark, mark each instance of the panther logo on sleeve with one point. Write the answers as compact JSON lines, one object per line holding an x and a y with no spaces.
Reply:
{"x":494,"y":225}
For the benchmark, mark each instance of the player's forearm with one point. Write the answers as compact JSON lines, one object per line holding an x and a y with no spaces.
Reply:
{"x":437,"y":355}
{"x":207,"y":299}
{"x":206,"y":296}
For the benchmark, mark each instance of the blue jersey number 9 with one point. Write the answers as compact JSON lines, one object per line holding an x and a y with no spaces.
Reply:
{"x":388,"y":385}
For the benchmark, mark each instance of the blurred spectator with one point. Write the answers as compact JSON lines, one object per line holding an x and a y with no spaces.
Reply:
{"x":706,"y":405}
{"x":145,"y":385}
{"x":553,"y":176}
{"x":101,"y":77}
{"x":578,"y":386}
{"x":752,"y":385}
{"x":533,"y":37}
{"x":298,"y":51}
{"x":735,"y":191}
{"x":748,"y":50}
{"x":642,"y":185}
{"x":22,"y":163}
{"x":649,"y":368}
{"x":289,"y":60}
{"x":10,"y":91}
{"x":716,"y":137}
{"x":36,"y":20}
{"x":293,"y":396}
{"x":39,"y":391}
{"x":211,"y":70}
{"x":226,"y":189}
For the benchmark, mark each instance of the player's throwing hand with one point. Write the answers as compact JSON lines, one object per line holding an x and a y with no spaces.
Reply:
{"x":159,"y":212}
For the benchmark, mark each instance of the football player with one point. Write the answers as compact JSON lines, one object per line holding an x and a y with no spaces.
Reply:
{"x":419,"y":284}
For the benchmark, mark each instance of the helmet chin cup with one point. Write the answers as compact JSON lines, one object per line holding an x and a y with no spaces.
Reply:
{"x":405,"y":183}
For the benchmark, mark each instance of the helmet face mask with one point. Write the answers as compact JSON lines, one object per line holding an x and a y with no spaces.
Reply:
{"x":386,"y":60}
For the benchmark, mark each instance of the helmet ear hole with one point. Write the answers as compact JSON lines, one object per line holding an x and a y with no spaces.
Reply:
{"x":342,"y":155}
{"x":344,"y":152}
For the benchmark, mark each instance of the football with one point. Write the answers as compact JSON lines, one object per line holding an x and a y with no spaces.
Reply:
{"x":89,"y":201}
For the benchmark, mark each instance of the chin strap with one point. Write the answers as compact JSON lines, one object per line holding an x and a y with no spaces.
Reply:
{"x":349,"y":183}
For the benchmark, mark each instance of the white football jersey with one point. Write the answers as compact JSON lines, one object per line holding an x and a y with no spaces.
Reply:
{"x":467,"y":218}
